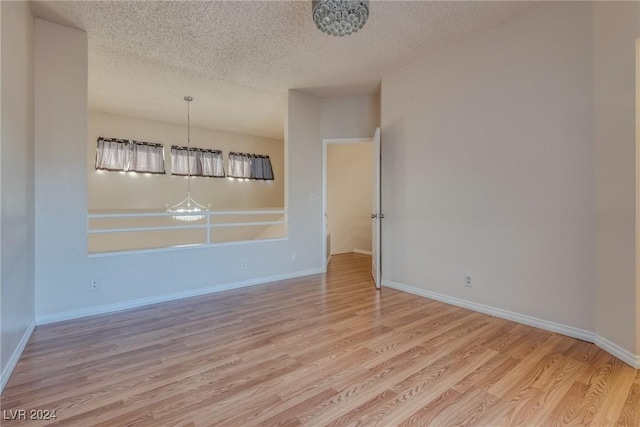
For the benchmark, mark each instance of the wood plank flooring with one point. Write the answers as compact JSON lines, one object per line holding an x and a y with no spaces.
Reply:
{"x":320,"y":350}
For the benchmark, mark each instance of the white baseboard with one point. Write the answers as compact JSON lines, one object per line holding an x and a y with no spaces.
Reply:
{"x":125,"y":305}
{"x":362,"y":251}
{"x":497,"y":312}
{"x":608,"y":346}
{"x":615,"y":350}
{"x":13,"y":361}
{"x":328,"y":261}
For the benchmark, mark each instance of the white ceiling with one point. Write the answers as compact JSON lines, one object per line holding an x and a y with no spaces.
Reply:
{"x":239,"y":58}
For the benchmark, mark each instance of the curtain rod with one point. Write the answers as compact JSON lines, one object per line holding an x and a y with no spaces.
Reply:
{"x":260,"y":156}
{"x":204,"y":150}
{"x":130,"y":141}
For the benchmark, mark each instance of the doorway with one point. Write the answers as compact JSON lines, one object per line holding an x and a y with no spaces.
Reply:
{"x":350,"y":183}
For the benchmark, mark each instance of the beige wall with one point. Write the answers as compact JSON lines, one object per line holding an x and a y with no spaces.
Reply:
{"x":616,"y":26}
{"x":485,"y":171}
{"x":130,"y":280}
{"x":60,"y":81}
{"x":303,"y":142}
{"x":488,"y":168}
{"x":350,"y":116}
{"x":113,"y":190}
{"x":349,"y":169}
{"x":511,"y":157}
{"x":17,"y":182}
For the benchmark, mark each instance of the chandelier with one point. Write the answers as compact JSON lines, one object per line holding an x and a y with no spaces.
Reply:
{"x":188,"y":209}
{"x":340,"y":17}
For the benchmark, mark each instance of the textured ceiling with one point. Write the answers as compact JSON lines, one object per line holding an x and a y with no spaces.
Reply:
{"x":238,"y":59}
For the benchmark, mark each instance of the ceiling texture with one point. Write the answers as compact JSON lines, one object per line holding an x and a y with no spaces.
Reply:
{"x":239,"y":58}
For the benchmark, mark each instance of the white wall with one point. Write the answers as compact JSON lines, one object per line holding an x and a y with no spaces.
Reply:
{"x":303,"y":147}
{"x":510,"y":156}
{"x":62,"y":276}
{"x":17,"y":184}
{"x":62,"y":267}
{"x":60,"y":164}
{"x":349,"y":172}
{"x":487,"y":168}
{"x":350,"y":116}
{"x":616,"y":26}
{"x":113,"y":190}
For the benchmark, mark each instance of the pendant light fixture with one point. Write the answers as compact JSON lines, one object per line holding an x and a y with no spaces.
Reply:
{"x":188,"y":209}
{"x":340,"y":17}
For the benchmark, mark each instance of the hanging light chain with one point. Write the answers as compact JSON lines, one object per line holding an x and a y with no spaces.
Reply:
{"x":188,"y":209}
{"x":188,"y":99}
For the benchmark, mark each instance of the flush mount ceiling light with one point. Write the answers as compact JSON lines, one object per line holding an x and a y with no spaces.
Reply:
{"x":340,"y":17}
{"x":188,"y":209}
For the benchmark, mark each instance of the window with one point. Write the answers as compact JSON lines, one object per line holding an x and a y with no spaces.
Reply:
{"x":261,"y":167}
{"x":196,"y":162}
{"x":146,"y":157}
{"x":129,"y":156}
{"x":252,"y":166}
{"x":239,"y":165}
{"x":112,"y":154}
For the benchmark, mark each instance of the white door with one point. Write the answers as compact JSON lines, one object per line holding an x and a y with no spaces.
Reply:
{"x":376,"y":215}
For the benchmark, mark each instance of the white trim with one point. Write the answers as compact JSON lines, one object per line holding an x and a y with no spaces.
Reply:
{"x":325,"y":143}
{"x":182,"y":227}
{"x":346,"y":140}
{"x":324,"y":230}
{"x":376,"y":207}
{"x":362,"y":251}
{"x":125,"y":305}
{"x":208,"y":226}
{"x":581,"y":334}
{"x":497,"y":312}
{"x":170,"y":214}
{"x":625,"y":355}
{"x":180,"y":248}
{"x":328,"y":261}
{"x":13,"y":361}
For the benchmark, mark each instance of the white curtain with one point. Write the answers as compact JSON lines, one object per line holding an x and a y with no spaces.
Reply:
{"x":184,"y":162}
{"x":201,"y":162}
{"x":211,"y":163}
{"x":147,"y":158}
{"x":268,"y":169}
{"x":254,"y":166}
{"x":112,"y":155}
{"x":124,"y":155}
{"x":246,"y":166}
{"x":261,"y":167}
{"x":239,"y":165}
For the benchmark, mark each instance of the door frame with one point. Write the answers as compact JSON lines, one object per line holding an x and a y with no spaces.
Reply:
{"x":325,"y":144}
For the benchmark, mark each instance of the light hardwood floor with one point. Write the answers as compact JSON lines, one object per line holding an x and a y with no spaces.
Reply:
{"x":321,"y":350}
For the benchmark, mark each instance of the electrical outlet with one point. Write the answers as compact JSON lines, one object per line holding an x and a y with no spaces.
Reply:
{"x":93,"y":285}
{"x":468,"y":282}
{"x":243,"y":264}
